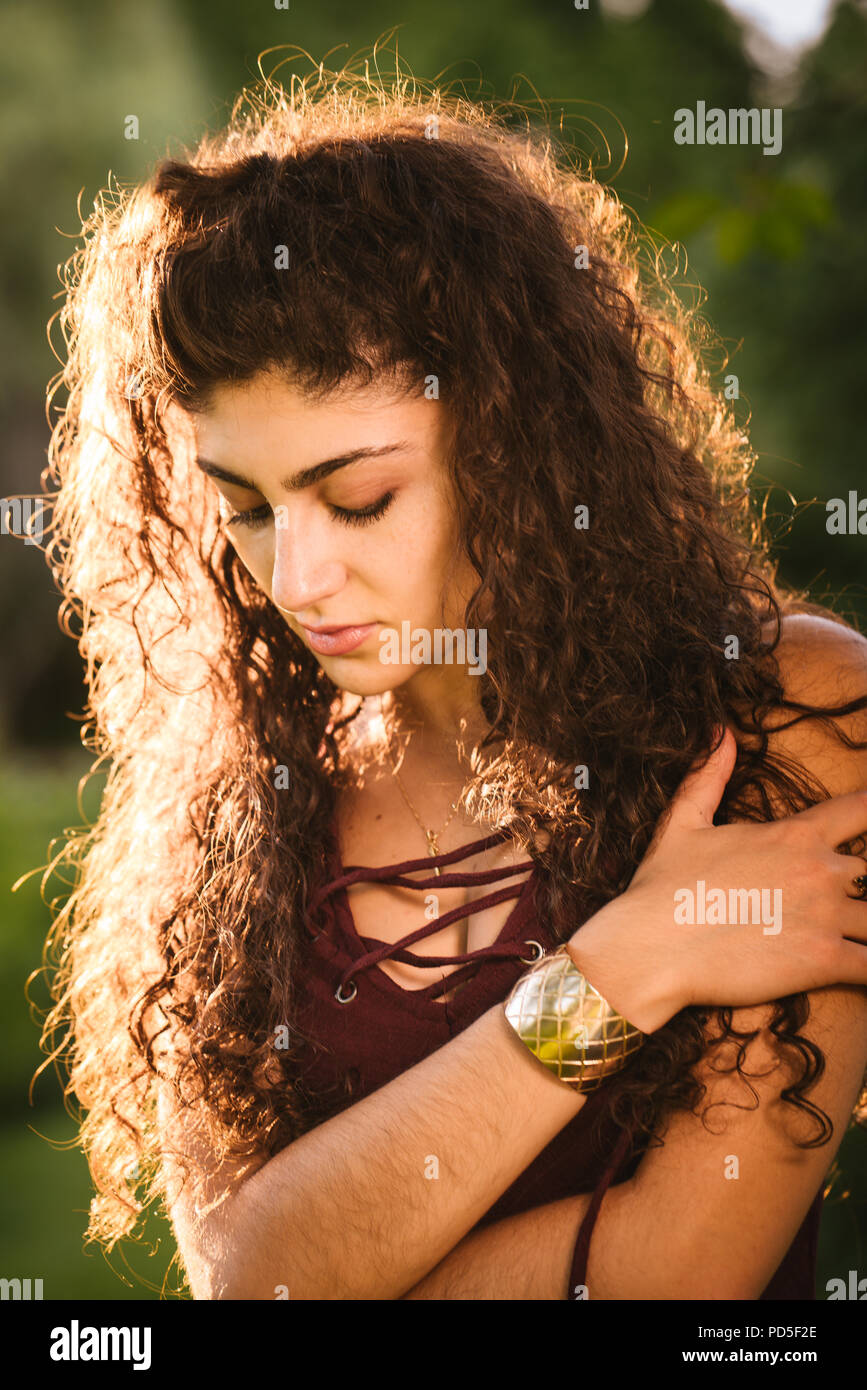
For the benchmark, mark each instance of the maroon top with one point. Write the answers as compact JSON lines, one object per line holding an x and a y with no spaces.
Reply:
{"x":360,"y":1029}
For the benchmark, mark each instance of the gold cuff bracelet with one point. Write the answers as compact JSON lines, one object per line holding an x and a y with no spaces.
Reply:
{"x":567,"y":1024}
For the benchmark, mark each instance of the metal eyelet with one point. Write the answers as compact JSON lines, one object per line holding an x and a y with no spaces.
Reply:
{"x":540,"y":951}
{"x":345,"y":999}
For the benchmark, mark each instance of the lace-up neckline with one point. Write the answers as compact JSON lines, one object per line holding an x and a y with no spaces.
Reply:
{"x":372,"y":951}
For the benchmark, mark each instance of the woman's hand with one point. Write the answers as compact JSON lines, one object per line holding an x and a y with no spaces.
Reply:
{"x":648,"y":955}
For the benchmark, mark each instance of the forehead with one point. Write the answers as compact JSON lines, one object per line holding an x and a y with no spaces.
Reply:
{"x":271,"y":415}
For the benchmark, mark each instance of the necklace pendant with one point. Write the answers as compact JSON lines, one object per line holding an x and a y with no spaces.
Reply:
{"x":433,"y":849}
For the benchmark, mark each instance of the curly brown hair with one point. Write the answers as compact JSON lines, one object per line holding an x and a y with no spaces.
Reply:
{"x":425,"y":235}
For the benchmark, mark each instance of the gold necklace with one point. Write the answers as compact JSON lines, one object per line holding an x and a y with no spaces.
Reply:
{"x":431,"y":836}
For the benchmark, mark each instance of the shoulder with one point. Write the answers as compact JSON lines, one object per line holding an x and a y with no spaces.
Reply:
{"x":814,"y":649}
{"x":822,"y":662}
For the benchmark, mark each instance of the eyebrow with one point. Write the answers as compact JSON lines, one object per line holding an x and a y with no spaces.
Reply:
{"x":306,"y":477}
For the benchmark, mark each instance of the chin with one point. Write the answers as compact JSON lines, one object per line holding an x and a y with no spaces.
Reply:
{"x":366,"y":678}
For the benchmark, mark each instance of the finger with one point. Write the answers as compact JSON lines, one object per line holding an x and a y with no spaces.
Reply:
{"x":838,"y":820}
{"x":852,"y":870}
{"x":853,"y":921}
{"x":853,"y":964}
{"x":700,"y":792}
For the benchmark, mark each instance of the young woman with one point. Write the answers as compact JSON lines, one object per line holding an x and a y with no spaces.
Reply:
{"x":358,"y":377}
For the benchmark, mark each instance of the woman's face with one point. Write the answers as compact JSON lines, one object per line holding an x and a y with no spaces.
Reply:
{"x":342,"y":515}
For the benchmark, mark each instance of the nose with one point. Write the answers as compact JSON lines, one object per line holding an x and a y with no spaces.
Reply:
{"x":306,"y":572}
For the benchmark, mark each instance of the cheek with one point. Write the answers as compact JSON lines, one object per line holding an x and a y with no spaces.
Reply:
{"x":257,"y":557}
{"x":434,"y":530}
{"x":423,"y":575}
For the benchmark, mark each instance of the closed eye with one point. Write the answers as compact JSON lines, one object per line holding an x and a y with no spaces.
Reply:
{"x":257,"y":517}
{"x":254,"y":518}
{"x":363,"y":516}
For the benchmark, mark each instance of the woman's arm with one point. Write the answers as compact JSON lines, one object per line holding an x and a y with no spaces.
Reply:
{"x":362,"y":1206}
{"x":528,"y":1256}
{"x":684,"y":1226}
{"x":728,"y":1235}
{"x":724,"y":1236}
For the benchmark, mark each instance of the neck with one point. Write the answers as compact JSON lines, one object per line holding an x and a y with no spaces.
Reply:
{"x":443,"y":727}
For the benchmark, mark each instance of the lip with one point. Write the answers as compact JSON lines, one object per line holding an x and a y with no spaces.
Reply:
{"x":330,"y":627}
{"x":334,"y":641}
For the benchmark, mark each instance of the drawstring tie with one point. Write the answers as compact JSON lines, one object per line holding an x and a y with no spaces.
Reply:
{"x":468,"y":960}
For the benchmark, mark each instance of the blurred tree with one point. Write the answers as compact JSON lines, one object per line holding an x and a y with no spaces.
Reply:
{"x":69,"y":77}
{"x":789,"y":279}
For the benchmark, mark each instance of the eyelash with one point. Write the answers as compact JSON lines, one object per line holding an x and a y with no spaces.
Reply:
{"x":257,"y":517}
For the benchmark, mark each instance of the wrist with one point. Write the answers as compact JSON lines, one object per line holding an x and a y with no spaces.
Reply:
{"x":644,"y":993}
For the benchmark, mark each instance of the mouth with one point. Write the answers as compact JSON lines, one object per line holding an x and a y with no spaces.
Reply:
{"x":332,"y":627}
{"x":333,"y":641}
